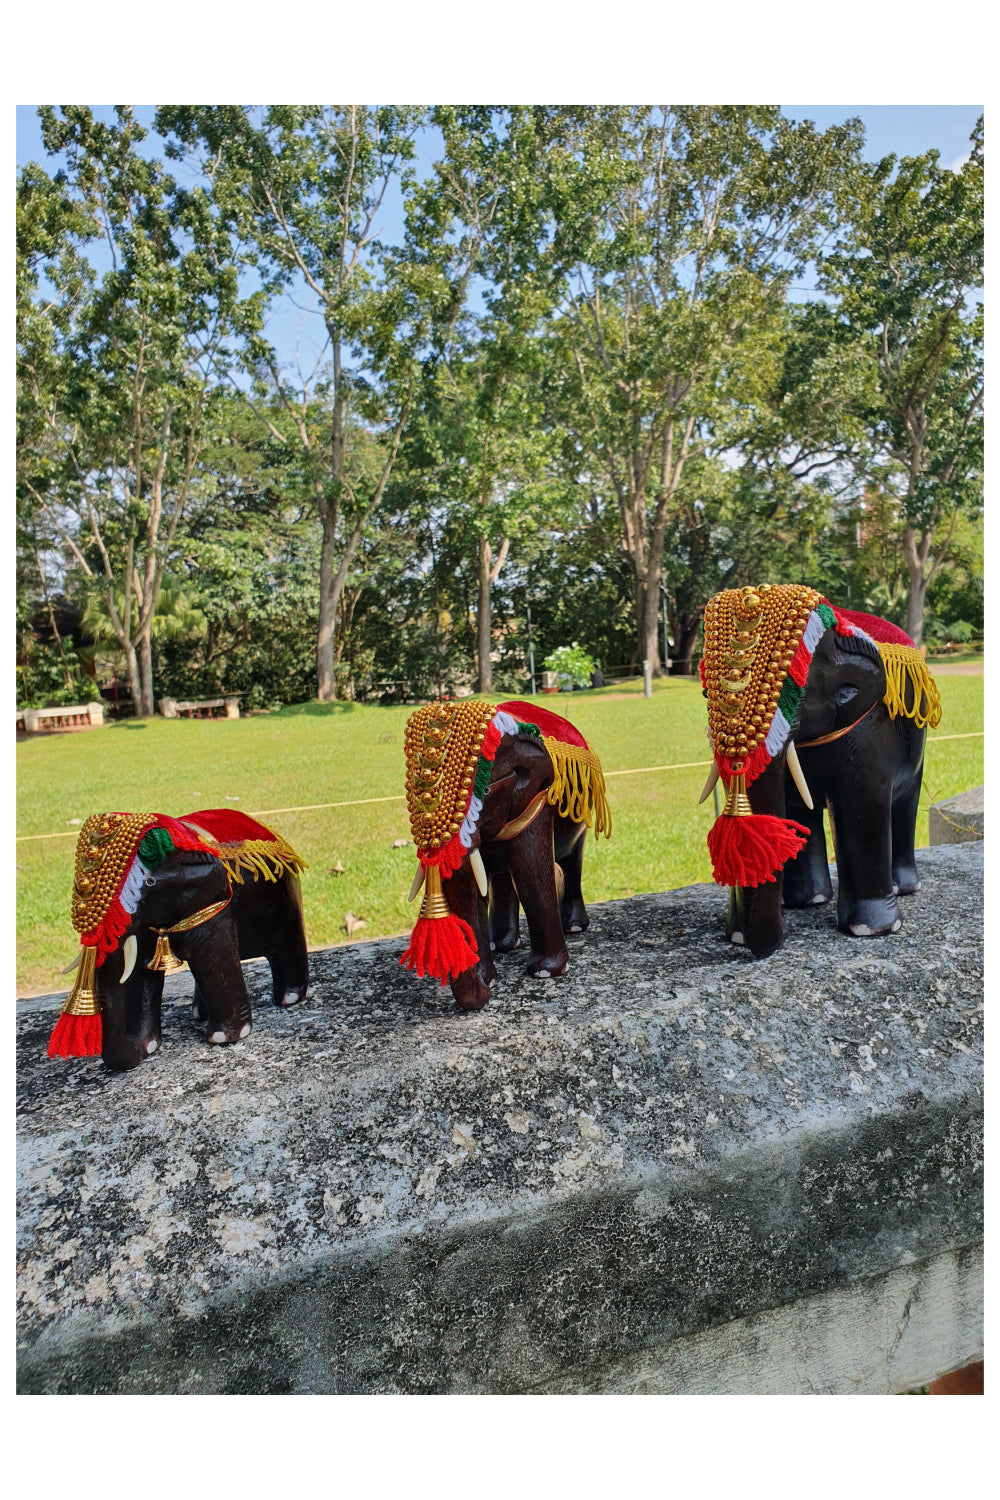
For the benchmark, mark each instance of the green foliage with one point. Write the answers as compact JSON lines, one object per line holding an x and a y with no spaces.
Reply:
{"x":571,"y":664}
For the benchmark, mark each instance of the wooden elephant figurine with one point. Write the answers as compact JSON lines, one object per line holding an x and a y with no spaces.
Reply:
{"x":786,"y":674}
{"x":151,"y":893}
{"x":500,"y":801}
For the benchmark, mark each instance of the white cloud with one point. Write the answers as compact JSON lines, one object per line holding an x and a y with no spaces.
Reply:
{"x":959,"y":162}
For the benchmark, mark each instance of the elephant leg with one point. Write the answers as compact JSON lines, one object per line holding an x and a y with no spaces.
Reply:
{"x":131,"y":1023}
{"x":866,"y":900}
{"x":905,"y":806}
{"x":471,"y":988}
{"x":532,"y":865}
{"x":286,"y":950}
{"x":199,"y":1010}
{"x":806,"y":880}
{"x":212,"y":952}
{"x":572,"y":912}
{"x":505,"y":911}
{"x":754,"y":919}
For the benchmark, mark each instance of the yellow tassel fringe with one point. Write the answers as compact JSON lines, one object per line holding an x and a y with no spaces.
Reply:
{"x":578,"y":791}
{"x":267,"y":857}
{"x":904,"y":663}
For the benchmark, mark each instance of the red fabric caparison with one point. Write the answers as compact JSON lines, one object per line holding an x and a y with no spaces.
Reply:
{"x":874,"y":625}
{"x":551,"y":725}
{"x":227,"y":825}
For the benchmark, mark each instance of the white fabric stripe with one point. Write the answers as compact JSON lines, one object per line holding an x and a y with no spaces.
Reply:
{"x":777,"y":734}
{"x":132,"y":888}
{"x":856,"y":630}
{"x":506,"y":723}
{"x":469,"y":822}
{"x":813,"y":631}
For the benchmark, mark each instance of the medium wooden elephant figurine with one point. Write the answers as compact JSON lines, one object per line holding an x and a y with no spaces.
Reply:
{"x":151,"y":893}
{"x":500,"y":801}
{"x":812,"y":706}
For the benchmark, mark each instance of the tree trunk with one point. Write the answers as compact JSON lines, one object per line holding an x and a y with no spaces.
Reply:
{"x":325,"y":683}
{"x":916,"y":560}
{"x":485,"y":617}
{"x":145,"y":707}
{"x":135,"y":687}
{"x":685,"y":633}
{"x":648,"y":622}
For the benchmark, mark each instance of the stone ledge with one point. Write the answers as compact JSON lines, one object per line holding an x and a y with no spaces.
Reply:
{"x":378,"y":1193}
{"x":958,"y":820}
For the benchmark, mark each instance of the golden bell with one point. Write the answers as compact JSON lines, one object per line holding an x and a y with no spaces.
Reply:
{"x":737,"y":801}
{"x":82,"y":999}
{"x":434,"y":906}
{"x":164,"y":959}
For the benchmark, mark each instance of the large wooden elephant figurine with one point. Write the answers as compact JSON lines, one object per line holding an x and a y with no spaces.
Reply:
{"x":812,"y":706}
{"x":151,"y":893}
{"x":500,"y":800}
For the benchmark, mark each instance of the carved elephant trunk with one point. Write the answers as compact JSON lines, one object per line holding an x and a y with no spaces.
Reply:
{"x":151,"y":893}
{"x":810,"y":707}
{"x":500,"y":799}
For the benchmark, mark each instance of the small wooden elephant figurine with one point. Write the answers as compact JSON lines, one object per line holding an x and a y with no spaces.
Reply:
{"x":500,"y":801}
{"x":151,"y":893}
{"x":788,"y":675}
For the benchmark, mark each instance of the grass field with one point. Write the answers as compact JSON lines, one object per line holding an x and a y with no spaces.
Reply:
{"x":319,"y":753}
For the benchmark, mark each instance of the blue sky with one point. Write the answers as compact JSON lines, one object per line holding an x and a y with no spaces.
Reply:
{"x":906,"y":129}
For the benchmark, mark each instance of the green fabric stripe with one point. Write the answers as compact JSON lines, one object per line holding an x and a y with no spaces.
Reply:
{"x":528,"y":728}
{"x":826,"y":614}
{"x":791,"y":696}
{"x":482,"y":781}
{"x":155,"y":846}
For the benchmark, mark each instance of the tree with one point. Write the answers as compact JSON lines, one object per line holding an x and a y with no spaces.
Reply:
{"x":301,"y":189}
{"x":114,"y":366}
{"x":471,"y":229}
{"x":907,"y":278}
{"x":682,"y":228}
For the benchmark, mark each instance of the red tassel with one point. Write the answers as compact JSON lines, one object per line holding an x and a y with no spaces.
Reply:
{"x":750,"y":850}
{"x":76,"y":1036}
{"x":442,"y":947}
{"x":113,"y":926}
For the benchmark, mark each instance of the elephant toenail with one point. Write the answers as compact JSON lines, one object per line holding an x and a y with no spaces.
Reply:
{"x":290,"y":997}
{"x":897,"y":925}
{"x":151,"y":1048}
{"x":737,"y":938}
{"x":217,"y":1036}
{"x":245,"y":1031}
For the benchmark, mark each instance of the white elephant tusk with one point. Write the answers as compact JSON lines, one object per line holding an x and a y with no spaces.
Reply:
{"x":795,"y":768}
{"x":130,"y":949}
{"x":418,"y":881}
{"x":70,"y":967}
{"x":479,"y":870}
{"x":713,"y":777}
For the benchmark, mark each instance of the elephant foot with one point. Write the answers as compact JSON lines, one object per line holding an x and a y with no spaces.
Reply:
{"x":547,"y":966}
{"x":905,"y":880}
{"x":506,"y":942}
{"x":471,"y":990}
{"x":222,"y":1036}
{"x":573,"y":916}
{"x":870,"y":917}
{"x":128,"y":1052}
{"x":294,"y":996}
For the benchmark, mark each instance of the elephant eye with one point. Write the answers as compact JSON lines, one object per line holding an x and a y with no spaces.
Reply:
{"x":521,"y":772}
{"x":845,"y":694}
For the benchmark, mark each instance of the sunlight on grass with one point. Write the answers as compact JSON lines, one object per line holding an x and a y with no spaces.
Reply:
{"x":317,"y":753}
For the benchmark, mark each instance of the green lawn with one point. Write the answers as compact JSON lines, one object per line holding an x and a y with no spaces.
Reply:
{"x":316,"y":753}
